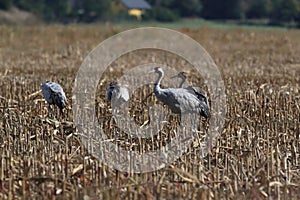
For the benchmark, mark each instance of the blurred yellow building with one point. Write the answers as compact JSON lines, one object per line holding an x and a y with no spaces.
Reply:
{"x":134,"y":7}
{"x":136,"y":12}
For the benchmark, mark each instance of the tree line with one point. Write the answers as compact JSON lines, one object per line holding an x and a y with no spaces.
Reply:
{"x":276,"y":11}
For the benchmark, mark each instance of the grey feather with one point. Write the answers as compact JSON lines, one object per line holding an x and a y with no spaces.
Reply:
{"x":179,"y":100}
{"x":118,"y":95}
{"x":201,"y":94}
{"x":54,"y":95}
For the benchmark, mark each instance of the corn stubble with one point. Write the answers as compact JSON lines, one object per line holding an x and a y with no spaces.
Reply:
{"x":257,"y":153}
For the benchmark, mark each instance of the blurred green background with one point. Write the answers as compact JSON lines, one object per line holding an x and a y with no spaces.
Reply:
{"x":248,"y":12}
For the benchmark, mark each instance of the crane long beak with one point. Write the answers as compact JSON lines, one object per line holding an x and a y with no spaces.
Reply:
{"x":152,"y":71}
{"x":175,"y":76}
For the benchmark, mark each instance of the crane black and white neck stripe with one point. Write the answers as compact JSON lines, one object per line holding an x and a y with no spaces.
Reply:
{"x":179,"y":100}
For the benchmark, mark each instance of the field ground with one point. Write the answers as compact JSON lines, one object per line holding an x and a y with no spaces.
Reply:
{"x":200,"y":23}
{"x":257,"y":154}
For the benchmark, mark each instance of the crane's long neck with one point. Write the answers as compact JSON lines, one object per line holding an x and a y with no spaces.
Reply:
{"x":181,"y":83}
{"x":157,"y":83}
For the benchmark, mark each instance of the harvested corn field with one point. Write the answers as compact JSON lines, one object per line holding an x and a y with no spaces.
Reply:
{"x":257,"y":155}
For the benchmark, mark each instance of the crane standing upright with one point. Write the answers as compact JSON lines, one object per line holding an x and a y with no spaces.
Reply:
{"x":179,"y":100}
{"x":202,"y":96}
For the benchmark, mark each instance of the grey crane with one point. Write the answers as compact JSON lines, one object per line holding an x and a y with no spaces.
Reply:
{"x":118,"y":95}
{"x":202,"y":96}
{"x":179,"y":100}
{"x":54,"y":95}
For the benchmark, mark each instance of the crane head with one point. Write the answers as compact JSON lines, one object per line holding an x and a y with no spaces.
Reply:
{"x":181,"y":75}
{"x":44,"y":83}
{"x":113,"y":84}
{"x":157,"y":70}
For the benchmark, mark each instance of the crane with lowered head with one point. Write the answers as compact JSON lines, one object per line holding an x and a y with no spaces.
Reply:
{"x":54,"y":95}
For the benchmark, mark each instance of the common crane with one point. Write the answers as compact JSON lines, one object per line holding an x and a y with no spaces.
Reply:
{"x":179,"y":100}
{"x":54,"y":95}
{"x":202,"y":96}
{"x":118,"y":95}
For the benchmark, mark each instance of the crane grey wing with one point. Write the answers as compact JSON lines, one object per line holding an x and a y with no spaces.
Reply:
{"x":204,"y":109}
{"x":169,"y":97}
{"x":119,"y":96}
{"x":54,"y":94}
{"x":54,"y":87}
{"x":188,"y":102}
{"x":47,"y":93}
{"x":198,"y":92}
{"x":179,"y":100}
{"x":109,"y":92}
{"x":58,"y":94}
{"x":59,"y":100}
{"x":124,"y":93}
{"x":184,"y":102}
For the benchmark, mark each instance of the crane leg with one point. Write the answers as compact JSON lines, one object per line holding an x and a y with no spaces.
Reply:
{"x":114,"y":114}
{"x":179,"y":120}
{"x":57,"y":113}
{"x":62,"y":114}
{"x":50,"y":110}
